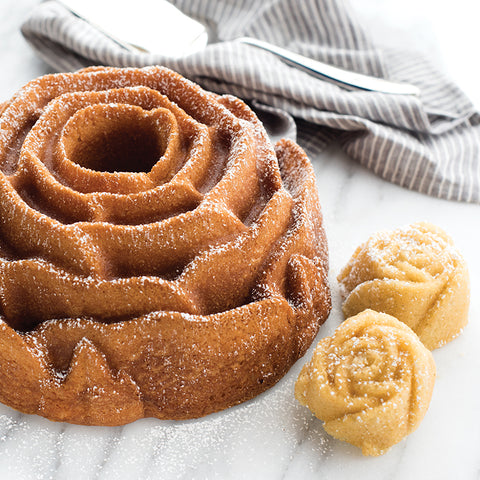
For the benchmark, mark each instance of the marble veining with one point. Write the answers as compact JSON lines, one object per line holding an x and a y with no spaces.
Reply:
{"x":272,"y":436}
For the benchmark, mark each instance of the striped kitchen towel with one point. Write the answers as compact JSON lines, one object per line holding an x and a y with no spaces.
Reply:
{"x":429,"y":143}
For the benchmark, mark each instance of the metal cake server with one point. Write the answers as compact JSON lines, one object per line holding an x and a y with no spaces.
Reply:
{"x":168,"y":31}
{"x":345,"y":78}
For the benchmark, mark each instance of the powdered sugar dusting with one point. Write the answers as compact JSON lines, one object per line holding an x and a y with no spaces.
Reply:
{"x":151,"y":449}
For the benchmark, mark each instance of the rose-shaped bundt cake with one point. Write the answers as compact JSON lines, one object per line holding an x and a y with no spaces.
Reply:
{"x":415,"y":274}
{"x":371,"y":382}
{"x":158,"y":256}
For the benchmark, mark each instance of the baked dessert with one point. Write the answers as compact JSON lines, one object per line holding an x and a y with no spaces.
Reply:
{"x":159,"y":256}
{"x":415,"y":274}
{"x":371,"y":382}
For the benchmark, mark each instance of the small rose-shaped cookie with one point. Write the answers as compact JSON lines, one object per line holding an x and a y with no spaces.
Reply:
{"x":371,"y":382}
{"x":415,"y":274}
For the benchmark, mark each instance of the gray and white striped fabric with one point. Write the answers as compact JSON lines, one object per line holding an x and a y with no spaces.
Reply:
{"x":430,"y":144}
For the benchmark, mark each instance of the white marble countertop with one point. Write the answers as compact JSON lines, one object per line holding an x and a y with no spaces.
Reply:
{"x":272,"y":436}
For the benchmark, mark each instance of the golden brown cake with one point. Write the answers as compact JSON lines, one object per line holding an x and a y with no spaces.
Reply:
{"x":159,"y":257}
{"x":371,"y":382}
{"x":415,"y":274}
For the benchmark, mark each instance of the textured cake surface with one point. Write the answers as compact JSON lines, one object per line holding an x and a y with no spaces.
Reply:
{"x":159,"y":257}
{"x":371,"y":382}
{"x":414,"y":273}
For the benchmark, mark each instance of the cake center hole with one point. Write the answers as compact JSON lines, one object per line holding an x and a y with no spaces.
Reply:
{"x":114,"y":139}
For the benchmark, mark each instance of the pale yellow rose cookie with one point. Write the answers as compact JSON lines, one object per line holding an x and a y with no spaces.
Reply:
{"x":415,"y":274}
{"x":371,"y":382}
